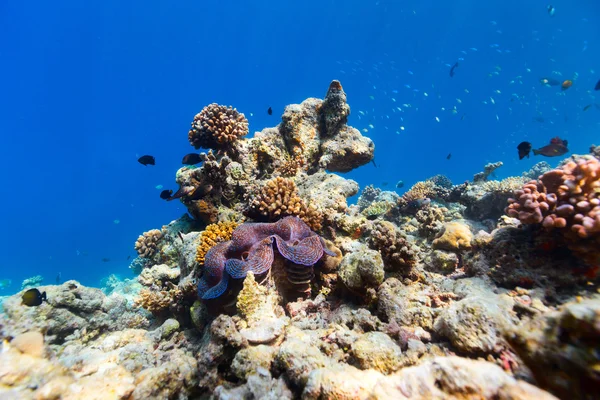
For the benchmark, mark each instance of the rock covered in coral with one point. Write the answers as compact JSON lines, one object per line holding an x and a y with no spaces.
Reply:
{"x":376,"y":350}
{"x":361,"y":270}
{"x":32,"y":282}
{"x":488,"y":170}
{"x":396,"y":250}
{"x":454,"y":236}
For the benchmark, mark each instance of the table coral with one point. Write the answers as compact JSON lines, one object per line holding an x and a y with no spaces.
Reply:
{"x":279,"y":198}
{"x":217,"y":126}
{"x":213,"y":234}
{"x":251,"y":249}
{"x":147,"y":243}
{"x":566,"y":200}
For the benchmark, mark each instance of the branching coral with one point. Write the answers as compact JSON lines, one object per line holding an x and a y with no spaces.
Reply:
{"x":213,"y":234}
{"x":441,"y":181}
{"x":566,"y":199}
{"x":397,"y":252}
{"x":147,"y":244}
{"x":279,"y":198}
{"x":217,"y":126}
{"x":487,"y":171}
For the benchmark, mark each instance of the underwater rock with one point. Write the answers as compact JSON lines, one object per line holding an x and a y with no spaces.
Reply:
{"x":361,"y":270}
{"x":249,"y":360}
{"x":258,"y":386}
{"x":561,"y":349}
{"x":442,"y":261}
{"x":404,"y":305}
{"x":31,"y":343}
{"x":454,"y":236}
{"x":376,"y":350}
{"x":297,"y":356}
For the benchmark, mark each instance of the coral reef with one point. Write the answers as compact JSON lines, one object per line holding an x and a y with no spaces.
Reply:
{"x":397,"y":252}
{"x":454,"y":236}
{"x":217,"y":127}
{"x":213,"y":234}
{"x":32,"y":282}
{"x":488,"y":170}
{"x":147,"y":243}
{"x":566,"y":200}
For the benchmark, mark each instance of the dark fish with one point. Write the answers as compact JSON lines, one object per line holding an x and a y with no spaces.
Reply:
{"x":385,"y":184}
{"x":453,"y":68}
{"x":191,"y":159}
{"x":180,"y":236}
{"x":105,"y":259}
{"x":449,"y":156}
{"x":463,"y":117}
{"x":270,"y":111}
{"x":587,"y":107}
{"x":524,"y":149}
{"x":400,"y":184}
{"x":166,"y":194}
{"x":146,"y":160}
{"x":550,"y":82}
{"x":557,"y":147}
{"x":373,"y":161}
{"x":597,"y":87}
{"x":58,"y":277}
{"x":539,"y":119}
{"x":128,"y":257}
{"x":191,"y":193}
{"x":72,"y":286}
{"x":33,"y":297}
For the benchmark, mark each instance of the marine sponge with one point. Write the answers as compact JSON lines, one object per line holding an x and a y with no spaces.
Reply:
{"x":566,"y":199}
{"x":147,"y":243}
{"x":455,"y":236}
{"x":213,"y":234}
{"x":279,"y":198}
{"x":217,"y":126}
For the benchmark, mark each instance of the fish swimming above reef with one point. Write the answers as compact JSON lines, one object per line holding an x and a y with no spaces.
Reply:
{"x":191,"y":159}
{"x":557,"y":147}
{"x":270,"y":111}
{"x":449,"y":156}
{"x":147,"y":160}
{"x":400,"y":184}
{"x":551,"y":10}
{"x":33,"y":298}
{"x":105,"y":259}
{"x":191,"y":193}
{"x":597,"y":87}
{"x":524,"y":150}
{"x":166,"y":194}
{"x":453,"y":68}
{"x":549,"y":82}
{"x":566,"y":84}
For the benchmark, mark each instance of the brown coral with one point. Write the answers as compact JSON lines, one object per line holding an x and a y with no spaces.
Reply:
{"x":566,"y":199}
{"x":213,"y":234}
{"x":154,"y":301}
{"x":419,"y":191}
{"x":147,"y":243}
{"x":397,"y":252}
{"x":290,"y":167}
{"x":279,"y":198}
{"x":455,"y":236}
{"x":217,"y":126}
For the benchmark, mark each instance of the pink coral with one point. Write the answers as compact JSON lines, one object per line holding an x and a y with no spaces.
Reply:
{"x":566,"y":199}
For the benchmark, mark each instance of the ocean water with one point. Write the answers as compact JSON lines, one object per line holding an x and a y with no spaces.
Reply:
{"x":88,"y":87}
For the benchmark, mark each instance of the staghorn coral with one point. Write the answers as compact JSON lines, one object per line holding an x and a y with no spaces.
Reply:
{"x":147,"y":243}
{"x":565,"y":199}
{"x":213,"y":234}
{"x":279,"y":198}
{"x":397,"y":252}
{"x":216,"y":127}
{"x":251,"y":249}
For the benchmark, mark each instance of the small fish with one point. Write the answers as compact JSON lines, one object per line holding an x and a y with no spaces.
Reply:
{"x":551,"y":10}
{"x":270,"y":111}
{"x":191,"y":159}
{"x":587,"y":107}
{"x":449,"y":156}
{"x":557,"y":147}
{"x":147,"y":160}
{"x":453,"y":68}
{"x":4,"y":283}
{"x":33,"y":298}
{"x":105,"y":259}
{"x":597,"y":87}
{"x":180,"y":236}
{"x":166,"y":194}
{"x":549,"y":82}
{"x":524,"y":149}
{"x":128,"y":257}
{"x":539,"y":119}
{"x":191,"y":193}
{"x":566,"y":84}
{"x":373,"y":161}
{"x":400,"y":184}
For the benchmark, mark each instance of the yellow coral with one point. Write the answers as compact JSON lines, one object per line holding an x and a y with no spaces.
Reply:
{"x":251,"y":297}
{"x":279,"y":198}
{"x":455,"y":236}
{"x":213,"y":234}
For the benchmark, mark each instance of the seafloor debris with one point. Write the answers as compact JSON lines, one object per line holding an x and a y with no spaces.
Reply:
{"x":436,"y":293}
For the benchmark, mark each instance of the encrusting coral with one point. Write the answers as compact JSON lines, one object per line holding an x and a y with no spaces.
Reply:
{"x":279,"y":198}
{"x":147,"y":244}
{"x":213,"y":234}
{"x":566,"y":200}
{"x":217,"y":126}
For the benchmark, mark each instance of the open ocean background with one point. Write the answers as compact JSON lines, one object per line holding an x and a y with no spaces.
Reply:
{"x":89,"y":86}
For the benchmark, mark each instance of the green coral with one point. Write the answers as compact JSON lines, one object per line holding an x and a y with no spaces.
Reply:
{"x":376,"y":209}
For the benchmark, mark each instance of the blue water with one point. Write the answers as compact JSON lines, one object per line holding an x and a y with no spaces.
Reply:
{"x":89,"y":86}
